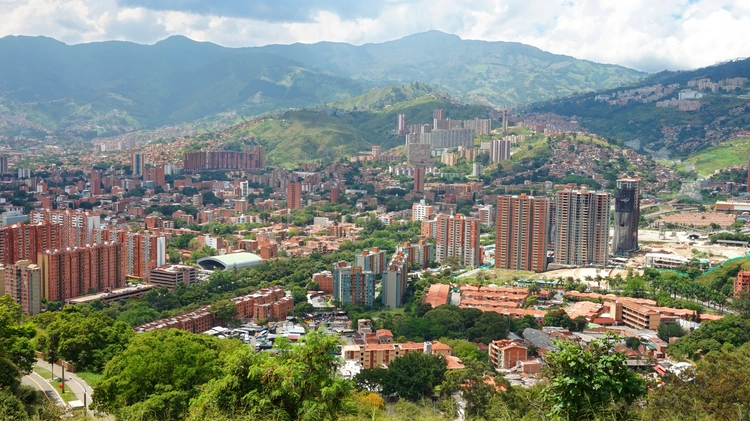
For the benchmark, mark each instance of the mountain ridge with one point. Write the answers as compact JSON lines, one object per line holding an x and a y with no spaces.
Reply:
{"x":72,"y":91}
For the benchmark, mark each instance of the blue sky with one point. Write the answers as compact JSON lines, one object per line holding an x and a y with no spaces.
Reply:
{"x":650,"y":35}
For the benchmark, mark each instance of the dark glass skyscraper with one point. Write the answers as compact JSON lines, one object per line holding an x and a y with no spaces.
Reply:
{"x":627,"y":215}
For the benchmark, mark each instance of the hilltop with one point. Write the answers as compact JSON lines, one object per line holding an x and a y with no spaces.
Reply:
{"x":635,"y":119}
{"x":301,"y":135}
{"x":101,"y":89}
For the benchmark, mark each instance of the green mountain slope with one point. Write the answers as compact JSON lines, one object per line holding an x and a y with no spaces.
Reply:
{"x":104,"y":88}
{"x":384,"y":97}
{"x":493,"y":73}
{"x":63,"y":87}
{"x":668,"y":131}
{"x":305,"y":135}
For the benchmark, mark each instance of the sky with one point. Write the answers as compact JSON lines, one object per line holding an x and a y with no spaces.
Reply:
{"x":648,"y":35}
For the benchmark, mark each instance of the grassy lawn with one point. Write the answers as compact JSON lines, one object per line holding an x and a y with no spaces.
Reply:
{"x":728,"y":154}
{"x":92,"y":379}
{"x":498,"y":276}
{"x":66,"y":394}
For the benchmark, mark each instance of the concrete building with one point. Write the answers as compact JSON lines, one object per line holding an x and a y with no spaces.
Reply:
{"x":458,"y":236}
{"x":634,"y":315}
{"x":380,"y":355}
{"x":420,"y":253}
{"x":421,"y":211}
{"x":138,"y":164}
{"x":324,"y":280}
{"x":582,"y":234}
{"x":418,"y":180}
{"x":401,"y":124}
{"x":505,"y":354}
{"x":627,"y":216}
{"x":486,"y":215}
{"x":77,"y":271}
{"x":144,"y":251}
{"x":499,"y":150}
{"x":395,"y":279}
{"x":742,"y":282}
{"x":371,"y":260}
{"x":254,"y":158}
{"x":77,"y":226}
{"x":665,"y":261}
{"x":25,"y":241}
{"x":294,"y":196}
{"x":352,"y":285}
{"x":22,"y":281}
{"x":521,"y":233}
{"x":171,"y":275}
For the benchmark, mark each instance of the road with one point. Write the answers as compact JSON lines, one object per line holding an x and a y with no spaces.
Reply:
{"x":37,"y":382}
{"x":79,"y":387}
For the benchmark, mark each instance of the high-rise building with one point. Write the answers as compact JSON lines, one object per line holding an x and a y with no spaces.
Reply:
{"x":582,"y":219}
{"x":144,"y":251}
{"x":294,"y":196}
{"x":458,"y":236}
{"x":77,"y":227}
{"x":401,"y":124}
{"x":395,"y":278}
{"x":138,"y":164}
{"x":418,"y":180}
{"x":420,"y":253}
{"x":335,"y":195}
{"x":486,"y":215}
{"x":499,"y":150}
{"x":352,"y":285}
{"x":23,"y":241}
{"x":3,"y":164}
{"x":521,"y":238}
{"x":627,"y":216}
{"x":253,"y":158}
{"x":371,"y":260}
{"x":23,"y":283}
{"x":438,"y":114}
{"x":72,"y":272}
{"x":95,"y":183}
{"x":376,"y":151}
{"x":421,"y":211}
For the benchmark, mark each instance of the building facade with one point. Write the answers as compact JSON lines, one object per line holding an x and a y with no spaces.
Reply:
{"x":395,"y":279}
{"x":521,"y":233}
{"x":352,"y":285}
{"x":22,"y":281}
{"x":373,"y":260}
{"x":458,"y":236}
{"x":627,"y":216}
{"x":582,"y":234}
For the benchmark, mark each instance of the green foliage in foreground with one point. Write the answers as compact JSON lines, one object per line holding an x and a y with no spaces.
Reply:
{"x":158,"y":374}
{"x":296,"y":383}
{"x":583,"y":381}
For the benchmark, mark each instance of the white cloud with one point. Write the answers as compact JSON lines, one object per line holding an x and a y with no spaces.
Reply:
{"x":645,"y":34}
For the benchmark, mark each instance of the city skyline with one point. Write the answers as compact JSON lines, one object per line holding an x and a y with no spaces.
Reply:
{"x":640,"y":35}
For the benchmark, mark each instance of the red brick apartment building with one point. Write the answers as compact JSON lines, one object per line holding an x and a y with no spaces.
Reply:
{"x":521,"y":239}
{"x":268,"y":303}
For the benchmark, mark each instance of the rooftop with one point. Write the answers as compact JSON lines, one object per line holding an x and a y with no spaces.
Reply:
{"x":230,"y":261}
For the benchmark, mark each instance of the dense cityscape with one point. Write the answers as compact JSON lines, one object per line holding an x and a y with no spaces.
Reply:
{"x":323,"y":232}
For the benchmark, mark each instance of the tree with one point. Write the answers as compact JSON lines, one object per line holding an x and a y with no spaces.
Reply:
{"x":414,"y":375}
{"x":295,"y":383}
{"x":584,"y":381}
{"x":472,"y":381}
{"x":16,"y":352}
{"x":670,"y":330}
{"x":558,"y":318}
{"x":86,"y":339}
{"x":225,"y":311}
{"x":155,"y":377}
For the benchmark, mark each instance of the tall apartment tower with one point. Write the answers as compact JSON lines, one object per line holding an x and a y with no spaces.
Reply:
{"x":23,"y":283}
{"x":394,"y":281}
{"x":401,"y":124}
{"x":458,"y":236}
{"x":376,"y":150}
{"x":138,"y":164}
{"x":582,"y":234}
{"x":421,"y":211}
{"x":499,"y":150}
{"x":521,"y":239}
{"x":294,"y":195}
{"x":418,"y":180}
{"x":371,"y":260}
{"x":352,"y":285}
{"x":627,"y":216}
{"x":3,"y":164}
{"x":77,"y":227}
